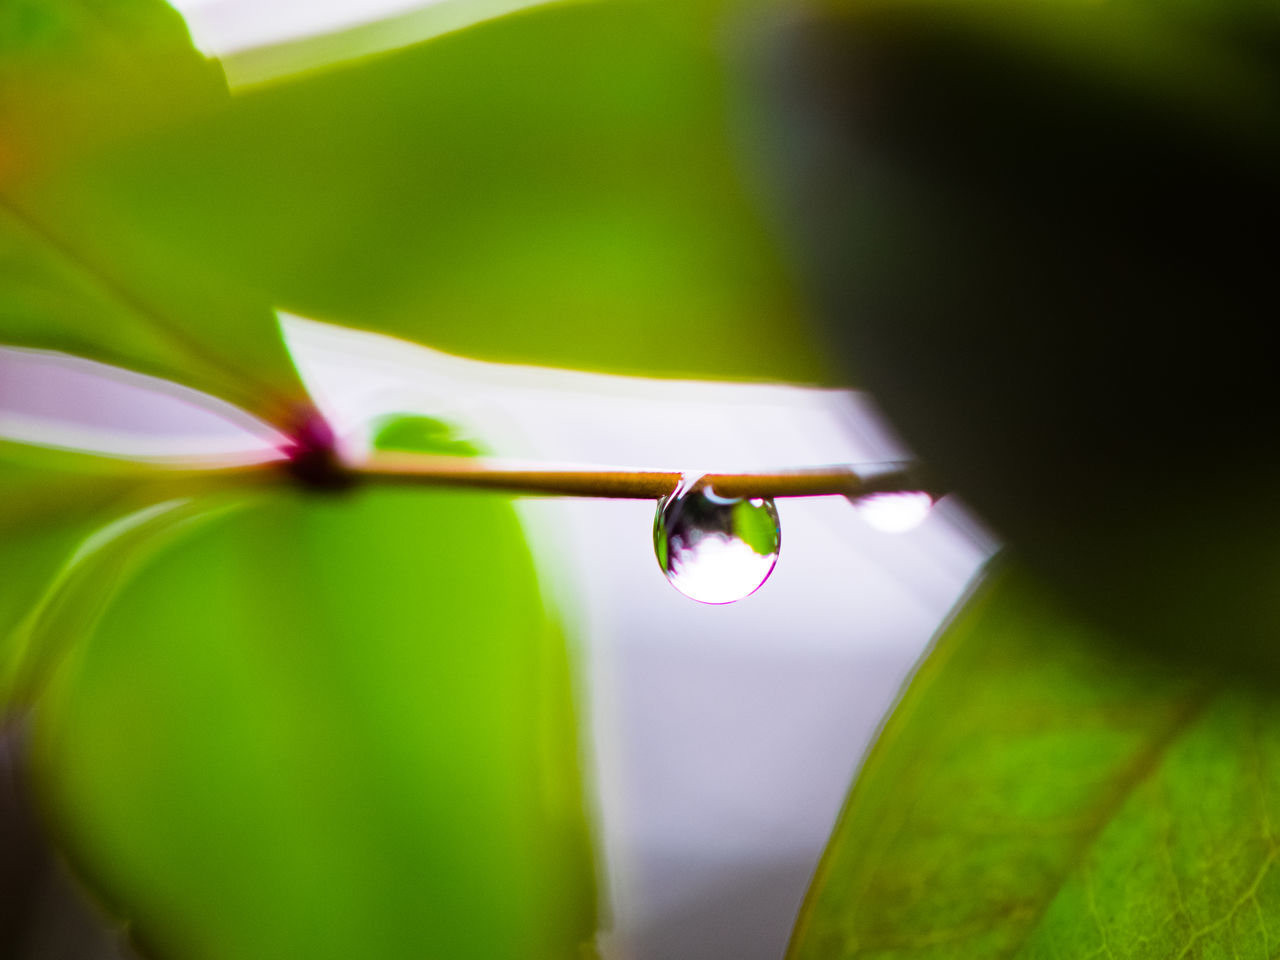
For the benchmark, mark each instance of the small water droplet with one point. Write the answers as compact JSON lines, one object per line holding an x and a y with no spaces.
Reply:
{"x":715,"y":549}
{"x":894,"y":512}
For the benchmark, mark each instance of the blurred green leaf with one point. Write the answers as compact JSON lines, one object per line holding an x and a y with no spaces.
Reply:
{"x":51,"y":503}
{"x":1040,"y":793}
{"x":559,"y":186}
{"x":755,"y":527}
{"x":329,"y":727}
{"x":74,"y":597}
{"x":417,"y":434}
{"x":78,"y":273}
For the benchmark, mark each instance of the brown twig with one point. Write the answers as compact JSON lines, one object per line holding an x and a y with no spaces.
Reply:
{"x":408,"y":468}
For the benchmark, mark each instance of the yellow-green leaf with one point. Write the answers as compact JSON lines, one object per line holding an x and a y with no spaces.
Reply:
{"x":565,"y":185}
{"x":51,"y":504}
{"x":329,"y":726}
{"x":78,"y":272}
{"x":1039,"y":792}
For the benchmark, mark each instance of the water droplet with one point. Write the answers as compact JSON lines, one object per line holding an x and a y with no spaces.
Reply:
{"x":715,"y":549}
{"x":894,"y":512}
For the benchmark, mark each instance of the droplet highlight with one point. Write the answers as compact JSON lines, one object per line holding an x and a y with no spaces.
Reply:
{"x":715,"y":549}
{"x":894,"y":512}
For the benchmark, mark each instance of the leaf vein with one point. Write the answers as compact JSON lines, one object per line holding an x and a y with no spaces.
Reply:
{"x":1144,"y":765}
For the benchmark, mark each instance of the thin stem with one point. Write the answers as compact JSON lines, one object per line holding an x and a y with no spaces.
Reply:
{"x":424,"y":469}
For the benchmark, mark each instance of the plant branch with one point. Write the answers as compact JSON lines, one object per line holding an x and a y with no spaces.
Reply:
{"x":431,"y":470}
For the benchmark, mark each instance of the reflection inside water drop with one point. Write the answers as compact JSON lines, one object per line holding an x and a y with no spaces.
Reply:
{"x":715,"y":549}
{"x":894,"y":512}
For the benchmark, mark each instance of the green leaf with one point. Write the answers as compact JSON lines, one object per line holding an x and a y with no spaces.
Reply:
{"x":587,"y":208}
{"x":75,"y":596}
{"x":51,"y":503}
{"x":1040,"y":793}
{"x":412,"y":433}
{"x":329,"y":726}
{"x":78,"y":272}
{"x":755,"y":527}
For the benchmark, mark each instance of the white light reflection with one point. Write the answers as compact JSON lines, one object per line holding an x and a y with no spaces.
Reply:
{"x":262,"y":40}
{"x":894,"y":512}
{"x":719,"y":569}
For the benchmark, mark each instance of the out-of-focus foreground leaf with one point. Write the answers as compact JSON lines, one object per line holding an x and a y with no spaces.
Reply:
{"x":558,"y":186}
{"x":1040,"y":231}
{"x":1040,"y":793}
{"x":51,"y":504}
{"x":78,"y":273}
{"x":328,"y":726}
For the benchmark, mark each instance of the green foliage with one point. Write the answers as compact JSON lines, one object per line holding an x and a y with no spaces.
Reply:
{"x":54,"y":501}
{"x":586,"y":209}
{"x":418,"y":434}
{"x":328,"y":727}
{"x":1040,"y":792}
{"x":339,"y":726}
{"x":79,"y":274}
{"x":293,"y":721}
{"x":757,"y":528}
{"x":50,"y":505}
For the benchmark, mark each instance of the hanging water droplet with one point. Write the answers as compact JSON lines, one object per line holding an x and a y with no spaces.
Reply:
{"x":894,"y":512}
{"x":715,"y":549}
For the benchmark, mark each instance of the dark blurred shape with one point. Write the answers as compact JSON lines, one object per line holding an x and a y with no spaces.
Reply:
{"x":44,"y":915}
{"x":312,"y":455}
{"x":1045,"y":239}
